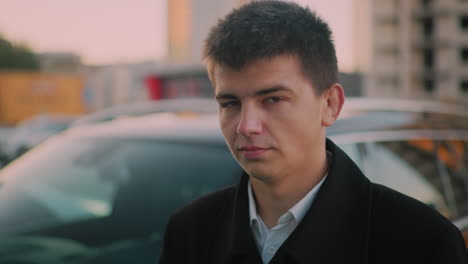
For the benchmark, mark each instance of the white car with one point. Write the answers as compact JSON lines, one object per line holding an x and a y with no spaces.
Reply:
{"x":103,"y":193}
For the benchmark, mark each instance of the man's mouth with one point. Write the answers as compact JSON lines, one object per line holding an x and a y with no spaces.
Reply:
{"x":252,"y":151}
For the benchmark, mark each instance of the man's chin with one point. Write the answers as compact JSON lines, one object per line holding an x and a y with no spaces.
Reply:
{"x":261,"y":172}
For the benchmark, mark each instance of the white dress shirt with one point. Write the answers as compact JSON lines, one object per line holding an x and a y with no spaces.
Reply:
{"x":269,"y":240}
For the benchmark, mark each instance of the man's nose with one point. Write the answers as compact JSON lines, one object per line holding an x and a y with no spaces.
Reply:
{"x":250,"y":121}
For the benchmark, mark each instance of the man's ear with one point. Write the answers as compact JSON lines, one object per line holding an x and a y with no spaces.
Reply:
{"x":333,"y":102}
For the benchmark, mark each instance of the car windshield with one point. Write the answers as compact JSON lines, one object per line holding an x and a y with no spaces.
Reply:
{"x":75,"y":180}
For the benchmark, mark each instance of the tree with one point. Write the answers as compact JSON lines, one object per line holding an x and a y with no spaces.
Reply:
{"x":13,"y":56}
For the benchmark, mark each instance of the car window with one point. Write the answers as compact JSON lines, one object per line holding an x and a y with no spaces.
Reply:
{"x":396,"y":166}
{"x":432,"y":171}
{"x":453,"y":162}
{"x":54,"y":184}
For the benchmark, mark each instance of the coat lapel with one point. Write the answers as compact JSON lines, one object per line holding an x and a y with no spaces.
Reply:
{"x":238,"y":245}
{"x":336,"y":227}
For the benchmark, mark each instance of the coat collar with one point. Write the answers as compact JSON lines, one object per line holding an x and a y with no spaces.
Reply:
{"x":243,"y":240}
{"x":334,"y":230}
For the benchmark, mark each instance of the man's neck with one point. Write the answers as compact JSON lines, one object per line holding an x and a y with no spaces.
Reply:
{"x":275,"y":199}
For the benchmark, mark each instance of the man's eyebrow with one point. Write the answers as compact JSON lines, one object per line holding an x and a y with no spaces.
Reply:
{"x":262,"y":92}
{"x":225,"y":96}
{"x":272,"y":90}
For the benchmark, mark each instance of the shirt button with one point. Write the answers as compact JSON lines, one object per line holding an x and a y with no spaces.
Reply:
{"x":272,"y":250}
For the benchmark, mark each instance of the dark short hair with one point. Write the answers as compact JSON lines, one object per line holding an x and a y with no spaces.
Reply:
{"x":264,"y":29}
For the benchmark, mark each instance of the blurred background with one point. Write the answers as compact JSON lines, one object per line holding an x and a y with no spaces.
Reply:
{"x":72,"y":58}
{"x":77,"y":57}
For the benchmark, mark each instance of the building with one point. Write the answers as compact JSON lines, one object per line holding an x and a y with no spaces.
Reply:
{"x":57,"y":62}
{"x":413,"y":48}
{"x":189,"y":22}
{"x":110,"y":85}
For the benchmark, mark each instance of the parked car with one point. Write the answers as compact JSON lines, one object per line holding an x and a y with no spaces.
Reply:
{"x":102,"y":193}
{"x":198,"y":105}
{"x":33,"y":131}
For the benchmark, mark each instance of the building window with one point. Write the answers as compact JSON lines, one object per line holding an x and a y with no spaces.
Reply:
{"x":428,"y":26}
{"x":464,"y":86}
{"x":428,"y":85}
{"x":426,"y":3}
{"x":464,"y":54}
{"x":464,"y":23}
{"x":428,"y":57}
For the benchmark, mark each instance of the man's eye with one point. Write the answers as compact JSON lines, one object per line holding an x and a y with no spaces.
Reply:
{"x":273,"y":99}
{"x":229,"y":104}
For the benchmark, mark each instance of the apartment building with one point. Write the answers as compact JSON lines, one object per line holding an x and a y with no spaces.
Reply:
{"x":413,"y":48}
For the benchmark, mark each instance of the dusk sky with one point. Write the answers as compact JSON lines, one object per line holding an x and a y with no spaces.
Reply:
{"x":113,"y":31}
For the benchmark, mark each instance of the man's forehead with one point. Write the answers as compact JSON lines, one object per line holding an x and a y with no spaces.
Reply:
{"x":261,"y":74}
{"x":237,"y":86}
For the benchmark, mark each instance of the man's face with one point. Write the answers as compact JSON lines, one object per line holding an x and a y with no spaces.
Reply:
{"x":271,"y":117}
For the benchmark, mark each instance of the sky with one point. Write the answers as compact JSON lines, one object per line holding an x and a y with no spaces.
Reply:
{"x":115,"y":31}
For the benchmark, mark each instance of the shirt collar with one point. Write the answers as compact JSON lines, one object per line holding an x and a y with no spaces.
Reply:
{"x":252,"y":205}
{"x":298,"y":210}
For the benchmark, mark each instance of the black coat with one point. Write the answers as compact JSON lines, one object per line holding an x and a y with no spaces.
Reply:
{"x":350,"y":221}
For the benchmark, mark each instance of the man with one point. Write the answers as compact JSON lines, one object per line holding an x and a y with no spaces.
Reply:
{"x":301,"y":200}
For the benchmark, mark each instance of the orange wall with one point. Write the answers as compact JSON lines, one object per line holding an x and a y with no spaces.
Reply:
{"x":25,"y":94}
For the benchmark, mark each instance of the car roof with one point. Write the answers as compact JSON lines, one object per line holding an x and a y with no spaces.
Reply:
{"x":374,"y":114}
{"x":199,"y":105}
{"x":359,"y":116}
{"x":405,"y":105}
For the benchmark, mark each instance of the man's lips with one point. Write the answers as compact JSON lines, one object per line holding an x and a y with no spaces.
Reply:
{"x":252,"y":151}
{"x":250,"y":148}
